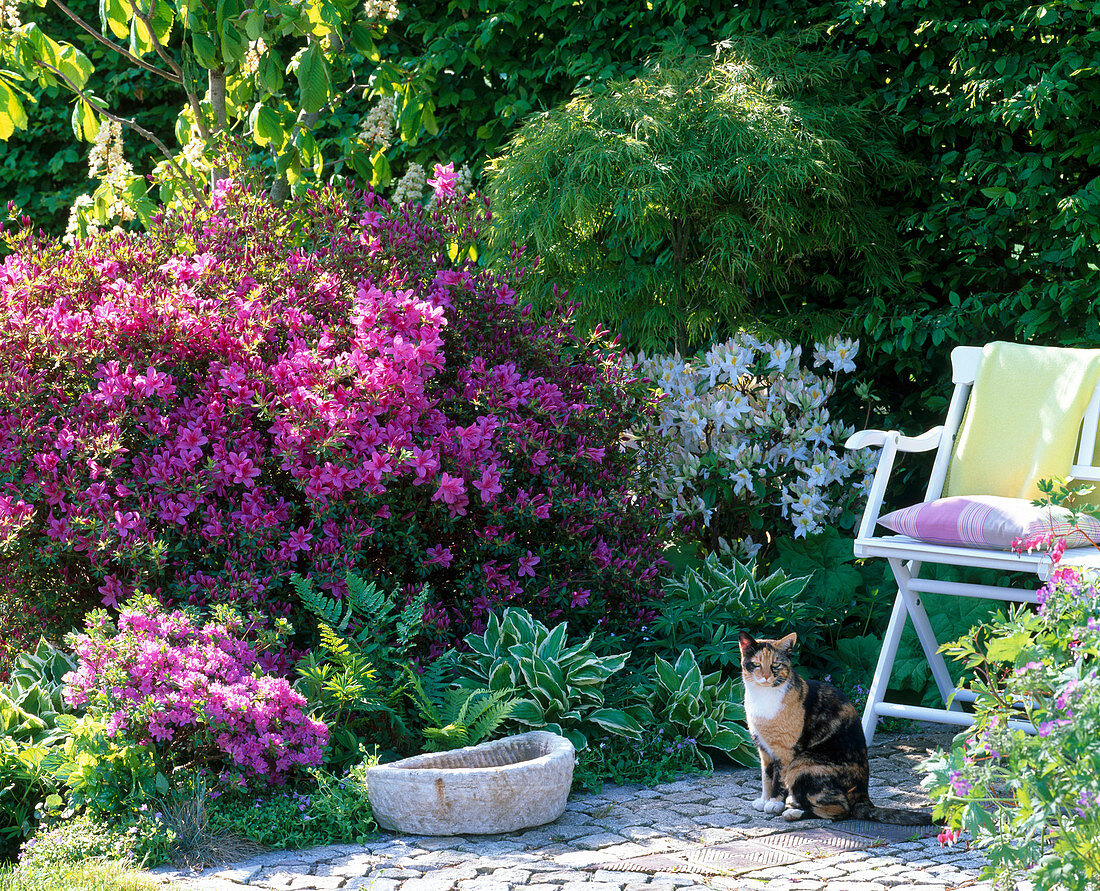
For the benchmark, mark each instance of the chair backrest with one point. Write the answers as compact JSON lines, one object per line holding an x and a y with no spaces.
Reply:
{"x":964,"y":369}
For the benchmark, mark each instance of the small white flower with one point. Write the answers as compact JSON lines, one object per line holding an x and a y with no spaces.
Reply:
{"x":842,"y":354}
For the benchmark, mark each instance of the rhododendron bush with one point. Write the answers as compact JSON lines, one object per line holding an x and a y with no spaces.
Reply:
{"x":251,"y":390}
{"x":194,"y":694}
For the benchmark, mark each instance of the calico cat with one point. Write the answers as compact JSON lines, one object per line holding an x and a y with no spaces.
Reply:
{"x":813,"y":757}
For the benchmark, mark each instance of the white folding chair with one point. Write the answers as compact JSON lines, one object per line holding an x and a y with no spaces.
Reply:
{"x":906,"y":555}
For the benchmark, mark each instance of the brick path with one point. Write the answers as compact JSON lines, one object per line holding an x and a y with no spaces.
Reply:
{"x":623,"y":823}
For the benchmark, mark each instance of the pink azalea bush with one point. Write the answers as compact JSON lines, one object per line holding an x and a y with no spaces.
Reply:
{"x":192,"y":694}
{"x":249,"y":391}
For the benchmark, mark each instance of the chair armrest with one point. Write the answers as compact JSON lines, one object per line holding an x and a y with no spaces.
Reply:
{"x":925,"y":442}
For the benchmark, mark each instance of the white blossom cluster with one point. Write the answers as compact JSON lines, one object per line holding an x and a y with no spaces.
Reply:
{"x":384,"y":10}
{"x":745,"y":427}
{"x":72,"y":230}
{"x":411,"y":186}
{"x":107,"y":164}
{"x":377,"y":128}
{"x":251,"y":62}
{"x":194,"y":154}
{"x":10,"y":19}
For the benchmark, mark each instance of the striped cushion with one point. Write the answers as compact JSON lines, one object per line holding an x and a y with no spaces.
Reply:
{"x":989,"y":521}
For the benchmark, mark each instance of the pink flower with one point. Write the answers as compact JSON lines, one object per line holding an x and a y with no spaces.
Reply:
{"x":443,"y":184}
{"x":439,"y":556}
{"x":451,"y":489}
{"x":527,"y":565}
{"x":579,"y":598}
{"x":948,"y":837}
{"x":489,"y":484}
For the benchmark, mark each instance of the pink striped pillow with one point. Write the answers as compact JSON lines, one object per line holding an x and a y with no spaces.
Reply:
{"x":989,"y":521}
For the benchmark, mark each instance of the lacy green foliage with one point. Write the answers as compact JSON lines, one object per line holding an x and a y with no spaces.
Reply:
{"x":356,"y":675}
{"x":647,"y":760}
{"x":998,"y":104}
{"x":705,"y":709}
{"x":335,"y":808}
{"x":709,"y":193}
{"x":493,"y":62}
{"x":459,"y":717}
{"x":704,"y":609}
{"x":560,"y":686}
{"x":374,"y":621}
{"x":1031,"y":802}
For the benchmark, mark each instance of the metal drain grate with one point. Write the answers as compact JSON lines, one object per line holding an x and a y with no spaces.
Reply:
{"x":725,"y":860}
{"x":777,"y":849}
{"x":817,"y":842}
{"x":885,"y":831}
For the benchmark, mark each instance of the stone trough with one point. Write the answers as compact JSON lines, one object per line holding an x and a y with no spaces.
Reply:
{"x":499,"y":786}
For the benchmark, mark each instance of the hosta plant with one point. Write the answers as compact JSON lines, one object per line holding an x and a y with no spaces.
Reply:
{"x":1031,"y":801}
{"x":559,"y":686}
{"x":704,"y":609}
{"x":704,"y":708}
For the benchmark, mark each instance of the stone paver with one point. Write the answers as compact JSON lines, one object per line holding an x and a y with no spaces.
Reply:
{"x":573,"y":853}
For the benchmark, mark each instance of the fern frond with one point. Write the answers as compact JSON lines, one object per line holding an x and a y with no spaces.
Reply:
{"x":336,"y":645}
{"x":499,"y":708}
{"x":366,"y":600}
{"x":411,"y":620}
{"x":337,"y":613}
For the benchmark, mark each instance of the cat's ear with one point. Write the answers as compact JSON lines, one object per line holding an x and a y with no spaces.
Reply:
{"x":746,"y":641}
{"x":786,"y":644}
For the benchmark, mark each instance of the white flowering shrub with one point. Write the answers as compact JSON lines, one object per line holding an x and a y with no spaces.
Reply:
{"x":749,"y":448}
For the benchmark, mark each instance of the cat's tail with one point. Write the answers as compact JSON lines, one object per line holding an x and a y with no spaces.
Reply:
{"x":899,"y":816}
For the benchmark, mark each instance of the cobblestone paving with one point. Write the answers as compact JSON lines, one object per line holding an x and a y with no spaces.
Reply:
{"x":616,"y":825}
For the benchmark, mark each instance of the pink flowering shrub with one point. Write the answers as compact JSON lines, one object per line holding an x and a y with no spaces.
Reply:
{"x":252,"y":390}
{"x":190,"y":692}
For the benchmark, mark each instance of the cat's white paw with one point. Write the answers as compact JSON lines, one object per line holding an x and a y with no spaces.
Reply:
{"x":774,"y":806}
{"x":792,"y":813}
{"x":760,"y":803}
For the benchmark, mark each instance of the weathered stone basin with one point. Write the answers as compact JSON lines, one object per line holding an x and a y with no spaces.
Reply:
{"x":498,"y":786}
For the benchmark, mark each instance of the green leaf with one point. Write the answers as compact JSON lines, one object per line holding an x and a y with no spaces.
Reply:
{"x":254,"y":24}
{"x":267,"y":127}
{"x":1006,"y":649}
{"x":271,"y":71}
{"x":528,"y":712}
{"x":12,"y":114}
{"x":308,"y":152}
{"x":380,"y":174}
{"x":313,"y":79}
{"x":115,"y":15}
{"x":84,"y":121}
{"x":234,"y":45}
{"x":615,"y":721}
{"x":206,"y":51}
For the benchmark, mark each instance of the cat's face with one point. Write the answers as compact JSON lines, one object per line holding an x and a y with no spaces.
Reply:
{"x":766,"y":663}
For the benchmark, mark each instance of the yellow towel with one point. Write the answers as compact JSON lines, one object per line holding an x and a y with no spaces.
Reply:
{"x":1023,"y":419}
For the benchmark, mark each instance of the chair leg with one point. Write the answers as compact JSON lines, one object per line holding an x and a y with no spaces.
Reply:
{"x":885,"y":665}
{"x":925,"y":634}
